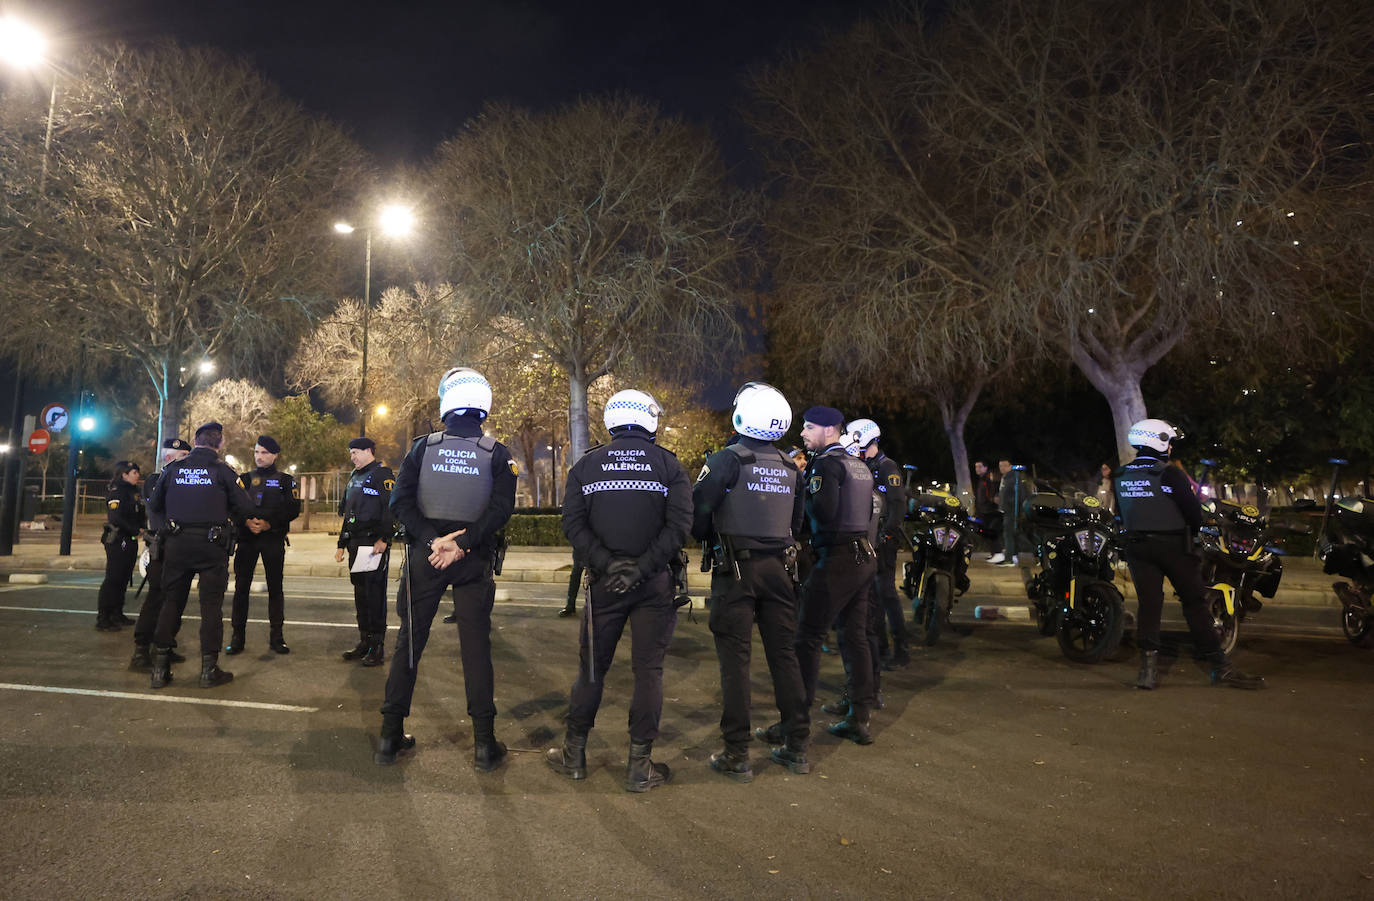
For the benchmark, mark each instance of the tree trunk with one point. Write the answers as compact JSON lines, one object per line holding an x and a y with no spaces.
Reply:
{"x":579,"y":432}
{"x":1119,"y":383}
{"x":955,"y":418}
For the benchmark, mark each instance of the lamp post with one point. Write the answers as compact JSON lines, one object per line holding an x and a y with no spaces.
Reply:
{"x":395,"y":221}
{"x":25,"y":48}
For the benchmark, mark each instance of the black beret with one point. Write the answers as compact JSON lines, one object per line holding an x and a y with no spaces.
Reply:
{"x":209,"y":426}
{"x":269,"y":444}
{"x":175,"y":444}
{"x":823,"y":416}
{"x":362,"y":444}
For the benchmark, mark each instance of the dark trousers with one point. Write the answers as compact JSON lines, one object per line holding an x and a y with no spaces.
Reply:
{"x":763,"y":594}
{"x":369,"y":592}
{"x":1153,"y":557}
{"x":885,"y":592}
{"x":875,"y":638}
{"x":648,"y":608}
{"x":837,"y":591}
{"x":119,"y":569}
{"x":152,"y":603}
{"x":272,"y":549}
{"x":575,"y":582}
{"x":185,"y":556}
{"x":474,"y":593}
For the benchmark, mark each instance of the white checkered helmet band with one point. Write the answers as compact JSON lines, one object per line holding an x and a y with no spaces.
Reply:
{"x":1153,"y":434}
{"x":462,"y":388}
{"x":632,"y":408}
{"x":850,"y":445}
{"x":761,"y":412}
{"x":864,"y":432}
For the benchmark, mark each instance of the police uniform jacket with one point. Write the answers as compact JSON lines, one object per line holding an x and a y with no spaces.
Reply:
{"x":156,"y":521}
{"x":366,"y":506}
{"x":750,"y":492}
{"x":887,"y":481}
{"x":199,"y":490}
{"x":839,"y":497}
{"x":455,"y":465}
{"x":627,"y":499}
{"x":124,"y":509}
{"x":1153,"y":497}
{"x":275,"y":499}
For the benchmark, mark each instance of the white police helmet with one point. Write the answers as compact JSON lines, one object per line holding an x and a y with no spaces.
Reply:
{"x":632,"y":408}
{"x":850,"y":444}
{"x":864,"y":432}
{"x":462,"y":388}
{"x":761,"y":412}
{"x":1153,"y":434}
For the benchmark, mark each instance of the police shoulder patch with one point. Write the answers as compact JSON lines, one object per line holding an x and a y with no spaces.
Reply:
{"x":705,"y":471}
{"x":894,"y":480}
{"x":514,"y":469}
{"x":113,"y":504}
{"x":814,"y":485}
{"x":388,"y":484}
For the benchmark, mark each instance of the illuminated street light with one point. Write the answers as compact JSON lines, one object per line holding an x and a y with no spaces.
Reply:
{"x":86,"y":424}
{"x":21,"y":45}
{"x":207,"y":367}
{"x":382,"y":410}
{"x":394,"y":221}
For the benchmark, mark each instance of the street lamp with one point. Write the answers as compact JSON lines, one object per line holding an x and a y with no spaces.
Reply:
{"x":23,"y":47}
{"x":394,"y":221}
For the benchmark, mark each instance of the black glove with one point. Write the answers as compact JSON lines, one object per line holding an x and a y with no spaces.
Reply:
{"x":621,"y":574}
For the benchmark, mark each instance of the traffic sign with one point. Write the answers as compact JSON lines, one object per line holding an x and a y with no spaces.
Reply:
{"x":54,"y":417}
{"x":39,"y":440}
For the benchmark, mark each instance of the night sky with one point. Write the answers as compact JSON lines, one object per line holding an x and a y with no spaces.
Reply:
{"x":403,"y":76}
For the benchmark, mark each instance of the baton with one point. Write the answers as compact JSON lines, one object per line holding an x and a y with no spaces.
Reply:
{"x":140,"y":586}
{"x":410,"y":609}
{"x":587,"y":623}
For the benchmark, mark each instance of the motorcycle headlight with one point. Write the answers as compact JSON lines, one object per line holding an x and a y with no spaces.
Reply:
{"x":1090,"y":541}
{"x":1243,"y":547}
{"x":946,"y":537}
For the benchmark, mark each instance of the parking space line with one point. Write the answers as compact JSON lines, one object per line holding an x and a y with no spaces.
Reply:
{"x":169,"y":699}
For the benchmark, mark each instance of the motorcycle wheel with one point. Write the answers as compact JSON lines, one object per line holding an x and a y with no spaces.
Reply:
{"x":933,"y":607}
{"x":1226,"y":625}
{"x":1358,"y":623}
{"x":1091,"y":632}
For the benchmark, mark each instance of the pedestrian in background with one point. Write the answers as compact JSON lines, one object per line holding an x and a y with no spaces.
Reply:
{"x":986,"y":484}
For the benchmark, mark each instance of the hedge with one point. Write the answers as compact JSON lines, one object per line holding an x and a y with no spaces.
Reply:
{"x":536,"y":530}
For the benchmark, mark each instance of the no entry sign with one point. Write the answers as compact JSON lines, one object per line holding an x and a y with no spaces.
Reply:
{"x":39,"y":440}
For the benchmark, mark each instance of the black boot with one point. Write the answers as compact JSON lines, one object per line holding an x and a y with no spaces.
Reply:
{"x":361,"y":648}
{"x":732,"y":763}
{"x":1223,"y":673}
{"x":567,"y":611}
{"x":104,"y":623}
{"x":853,"y":729}
{"x":277,"y":643}
{"x":210,"y":673}
{"x":142,"y":661}
{"x":376,"y":650}
{"x":393,"y":741}
{"x":1149,"y":671}
{"x":794,"y":758}
{"x":771,"y":735}
{"x":173,"y":656}
{"x":641,"y":773}
{"x":900,"y":656}
{"x":235,"y":645}
{"x":487,"y":752}
{"x":837,"y":707}
{"x":452,"y":617}
{"x":162,"y":667}
{"x":571,"y":759}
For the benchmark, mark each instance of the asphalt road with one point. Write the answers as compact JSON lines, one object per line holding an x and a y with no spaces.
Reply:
{"x":999,"y":771}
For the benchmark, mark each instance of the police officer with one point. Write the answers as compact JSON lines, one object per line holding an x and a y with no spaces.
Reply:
{"x":276,"y":502}
{"x":747,"y":502}
{"x":367,"y":524}
{"x":172,"y":449}
{"x":198,"y":496}
{"x":124,"y":521}
{"x":839,"y":506}
{"x":887,"y":481}
{"x":627,"y":511}
{"x":455,"y":492}
{"x":1162,"y":516}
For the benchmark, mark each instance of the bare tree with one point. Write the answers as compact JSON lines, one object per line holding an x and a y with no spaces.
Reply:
{"x":239,"y":405}
{"x":184,"y":215}
{"x":604,"y":230}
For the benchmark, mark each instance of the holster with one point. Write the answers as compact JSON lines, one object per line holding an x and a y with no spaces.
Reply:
{"x":863,"y":551}
{"x":789,"y":563}
{"x":498,"y":559}
{"x":154,"y":546}
{"x":109,"y":535}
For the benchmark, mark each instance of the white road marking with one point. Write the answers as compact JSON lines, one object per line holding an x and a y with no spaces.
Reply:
{"x":170,"y":699}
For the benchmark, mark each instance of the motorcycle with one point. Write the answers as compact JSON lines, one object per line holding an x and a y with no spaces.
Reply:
{"x":937,"y":573}
{"x":1348,"y":550}
{"x":1238,"y":560}
{"x":1077,"y":546}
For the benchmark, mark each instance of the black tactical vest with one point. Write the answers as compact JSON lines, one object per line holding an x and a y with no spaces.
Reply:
{"x":1144,"y":505}
{"x":195,"y":491}
{"x":455,"y":477}
{"x":268,"y":489}
{"x":858,"y":501}
{"x":362,"y":501}
{"x":760,"y":503}
{"x":156,"y":521}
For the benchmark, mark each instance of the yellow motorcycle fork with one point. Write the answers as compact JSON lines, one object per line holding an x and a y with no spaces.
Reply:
{"x":1228,"y":593}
